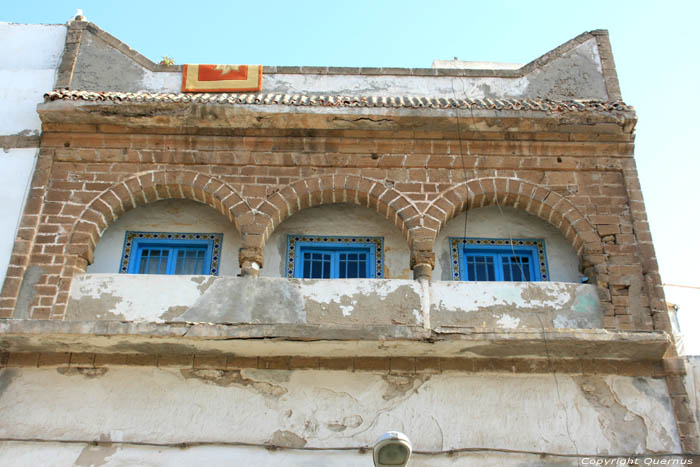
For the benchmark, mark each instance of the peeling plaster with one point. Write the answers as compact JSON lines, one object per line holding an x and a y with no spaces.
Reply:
{"x":650,"y":398}
{"x":348,"y":422}
{"x":204,"y":282}
{"x":287,"y":439}
{"x":121,"y":297}
{"x":95,"y":455}
{"x":508,"y":322}
{"x":513,"y":305}
{"x":619,"y":414}
{"x":360,"y":302}
{"x":227,"y":378}
{"x":402,"y":385}
{"x":271,"y":301}
{"x":485,"y":410}
{"x":6,"y":377}
{"x":31,"y":277}
{"x":423,"y":86}
{"x":86,"y":372}
{"x":370,"y":301}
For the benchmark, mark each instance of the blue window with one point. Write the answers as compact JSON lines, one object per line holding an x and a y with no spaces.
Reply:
{"x":326,"y":257}
{"x":491,"y":259}
{"x":171,"y":253}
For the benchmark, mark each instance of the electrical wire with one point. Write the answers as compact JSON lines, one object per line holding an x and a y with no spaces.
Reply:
{"x":360,"y":449}
{"x":461,"y":150}
{"x":515,"y":257}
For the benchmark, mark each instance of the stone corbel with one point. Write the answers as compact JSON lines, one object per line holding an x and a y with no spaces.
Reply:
{"x":422,"y":264}
{"x":251,"y":261}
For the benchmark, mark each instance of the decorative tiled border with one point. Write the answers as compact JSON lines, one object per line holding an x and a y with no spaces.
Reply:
{"x":377,"y":242}
{"x":455,"y":243}
{"x":215,"y":238}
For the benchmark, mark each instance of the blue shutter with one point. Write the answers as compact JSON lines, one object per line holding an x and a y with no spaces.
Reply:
{"x":498,"y":260}
{"x":171,"y":253}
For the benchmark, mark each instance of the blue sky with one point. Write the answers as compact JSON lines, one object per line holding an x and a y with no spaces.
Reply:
{"x":655,"y":44}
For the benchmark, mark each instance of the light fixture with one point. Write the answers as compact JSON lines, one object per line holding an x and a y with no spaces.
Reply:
{"x":392,"y":449}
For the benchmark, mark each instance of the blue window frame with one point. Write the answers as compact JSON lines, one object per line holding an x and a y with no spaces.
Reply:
{"x":493,"y":259}
{"x":171,"y":253}
{"x":334,"y":257}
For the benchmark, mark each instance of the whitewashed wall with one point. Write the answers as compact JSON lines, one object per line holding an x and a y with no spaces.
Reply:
{"x":491,"y":222}
{"x":613,"y":415}
{"x":173,"y":215}
{"x":29,"y":57}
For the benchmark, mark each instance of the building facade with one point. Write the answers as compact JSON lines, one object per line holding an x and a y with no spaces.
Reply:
{"x":279,"y":277}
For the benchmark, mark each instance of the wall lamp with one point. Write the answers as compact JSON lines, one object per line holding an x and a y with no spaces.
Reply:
{"x":392,"y":449}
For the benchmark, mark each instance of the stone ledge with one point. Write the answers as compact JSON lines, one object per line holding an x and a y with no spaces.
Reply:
{"x":389,"y":365}
{"x":328,"y":341}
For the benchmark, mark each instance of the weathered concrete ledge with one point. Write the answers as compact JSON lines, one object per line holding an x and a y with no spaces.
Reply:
{"x":352,"y":305}
{"x":325,"y":340}
{"x":149,"y":314}
{"x":174,"y":117}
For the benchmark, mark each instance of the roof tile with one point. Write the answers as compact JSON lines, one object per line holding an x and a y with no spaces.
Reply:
{"x":539,"y":105}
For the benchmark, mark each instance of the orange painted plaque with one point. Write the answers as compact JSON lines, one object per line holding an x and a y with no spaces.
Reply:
{"x":221,"y":78}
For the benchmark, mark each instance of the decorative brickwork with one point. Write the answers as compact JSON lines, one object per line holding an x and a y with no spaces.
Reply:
{"x":582,"y":183}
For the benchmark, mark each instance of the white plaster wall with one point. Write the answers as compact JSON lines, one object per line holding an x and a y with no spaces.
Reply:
{"x":16,"y":167}
{"x":613,"y":415}
{"x":489,"y":222}
{"x":29,"y":57}
{"x":339,"y":219}
{"x":587,"y":82}
{"x":174,"y":215}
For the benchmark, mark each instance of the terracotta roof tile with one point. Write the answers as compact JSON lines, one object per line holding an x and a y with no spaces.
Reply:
{"x":344,"y":101}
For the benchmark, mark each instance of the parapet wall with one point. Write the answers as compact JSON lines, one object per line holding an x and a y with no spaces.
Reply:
{"x":582,"y":68}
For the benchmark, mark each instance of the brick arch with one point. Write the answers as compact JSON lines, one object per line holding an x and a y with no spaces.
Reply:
{"x":513,"y":192}
{"x":145,"y":188}
{"x":330,"y":189}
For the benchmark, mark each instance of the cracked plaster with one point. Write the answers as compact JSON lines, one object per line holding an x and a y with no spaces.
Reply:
{"x":439,"y":412}
{"x":360,"y":302}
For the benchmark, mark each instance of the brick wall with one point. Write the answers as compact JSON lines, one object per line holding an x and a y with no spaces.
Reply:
{"x":582,"y":180}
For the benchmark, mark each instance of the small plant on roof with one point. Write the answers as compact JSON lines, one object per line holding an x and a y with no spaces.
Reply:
{"x":167,"y":60}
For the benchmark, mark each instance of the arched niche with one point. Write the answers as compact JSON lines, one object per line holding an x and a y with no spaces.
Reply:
{"x":170,"y":215}
{"x":490,"y":222}
{"x":340,"y":220}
